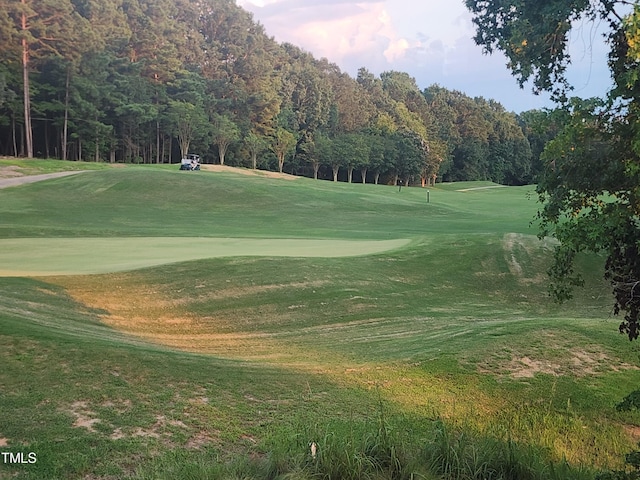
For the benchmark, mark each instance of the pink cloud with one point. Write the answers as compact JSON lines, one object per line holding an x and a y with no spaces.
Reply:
{"x":334,"y":30}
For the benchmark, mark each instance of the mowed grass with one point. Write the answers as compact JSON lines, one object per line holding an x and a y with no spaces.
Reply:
{"x":65,"y":256}
{"x":229,"y":367}
{"x":164,"y":202}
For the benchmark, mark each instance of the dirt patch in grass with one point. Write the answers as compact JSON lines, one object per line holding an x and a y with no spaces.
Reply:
{"x":117,"y":434}
{"x":84,"y":417}
{"x":525,"y":367}
{"x":199,"y":440}
{"x":246,"y":171}
{"x":580,"y":363}
{"x":10,"y":171}
{"x":144,"y":432}
{"x":159,"y":430}
{"x":4,"y":442}
{"x":633,"y":431}
{"x":120,"y":407}
{"x":555,"y":355}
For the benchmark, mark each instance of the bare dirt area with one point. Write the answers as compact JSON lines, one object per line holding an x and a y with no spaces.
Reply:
{"x":246,"y":171}
{"x":11,"y":171}
{"x":163,"y":428}
{"x":84,"y":418}
{"x":556,"y":357}
{"x":633,"y":431}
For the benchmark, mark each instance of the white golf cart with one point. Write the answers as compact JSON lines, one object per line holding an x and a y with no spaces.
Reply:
{"x":190,"y":162}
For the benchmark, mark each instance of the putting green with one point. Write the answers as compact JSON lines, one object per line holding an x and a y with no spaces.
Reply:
{"x":77,"y":256}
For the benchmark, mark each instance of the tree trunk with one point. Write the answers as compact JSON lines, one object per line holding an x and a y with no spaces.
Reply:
{"x":363,"y":173}
{"x":184,"y":148}
{"x":28,"y":132}
{"x":222,"y":150}
{"x":280,"y":163}
{"x":15,"y":137}
{"x":65,"y":125}
{"x":376,"y":178}
{"x":47,"y":152}
{"x":21,"y":150}
{"x":316,"y":168}
{"x":336,"y":169}
{"x":254,"y":160}
{"x":157,"y":141}
{"x":350,"y":173}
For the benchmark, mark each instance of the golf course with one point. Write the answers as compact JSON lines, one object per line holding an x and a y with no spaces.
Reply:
{"x":166,"y":324}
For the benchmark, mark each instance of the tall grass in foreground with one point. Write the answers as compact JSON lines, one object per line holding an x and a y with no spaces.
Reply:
{"x":376,"y":449}
{"x":460,"y":454}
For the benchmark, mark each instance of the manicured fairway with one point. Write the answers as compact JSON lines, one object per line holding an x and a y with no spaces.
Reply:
{"x":76,"y":256}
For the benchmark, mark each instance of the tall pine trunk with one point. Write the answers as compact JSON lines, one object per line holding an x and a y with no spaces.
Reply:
{"x":157,"y":141}
{"x":65,"y":127}
{"x":28,"y":132}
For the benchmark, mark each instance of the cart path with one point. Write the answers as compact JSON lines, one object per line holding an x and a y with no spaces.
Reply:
{"x":15,"y":181}
{"x":480,"y":188}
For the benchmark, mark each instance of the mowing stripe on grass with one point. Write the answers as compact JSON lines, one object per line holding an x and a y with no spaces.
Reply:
{"x":76,"y":256}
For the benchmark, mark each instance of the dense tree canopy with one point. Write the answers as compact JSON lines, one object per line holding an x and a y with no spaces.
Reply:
{"x":590,"y":186}
{"x":146,"y":80}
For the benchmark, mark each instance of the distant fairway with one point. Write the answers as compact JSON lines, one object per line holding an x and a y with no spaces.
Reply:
{"x":78,"y":256}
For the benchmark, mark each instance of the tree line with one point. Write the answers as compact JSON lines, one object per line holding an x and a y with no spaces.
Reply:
{"x":147,"y":81}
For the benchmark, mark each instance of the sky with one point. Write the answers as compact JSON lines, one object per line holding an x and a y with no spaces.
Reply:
{"x":432,"y":40}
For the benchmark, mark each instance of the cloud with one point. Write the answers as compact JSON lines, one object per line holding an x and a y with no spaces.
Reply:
{"x":335,"y":29}
{"x":432,"y":40}
{"x":396,"y":49}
